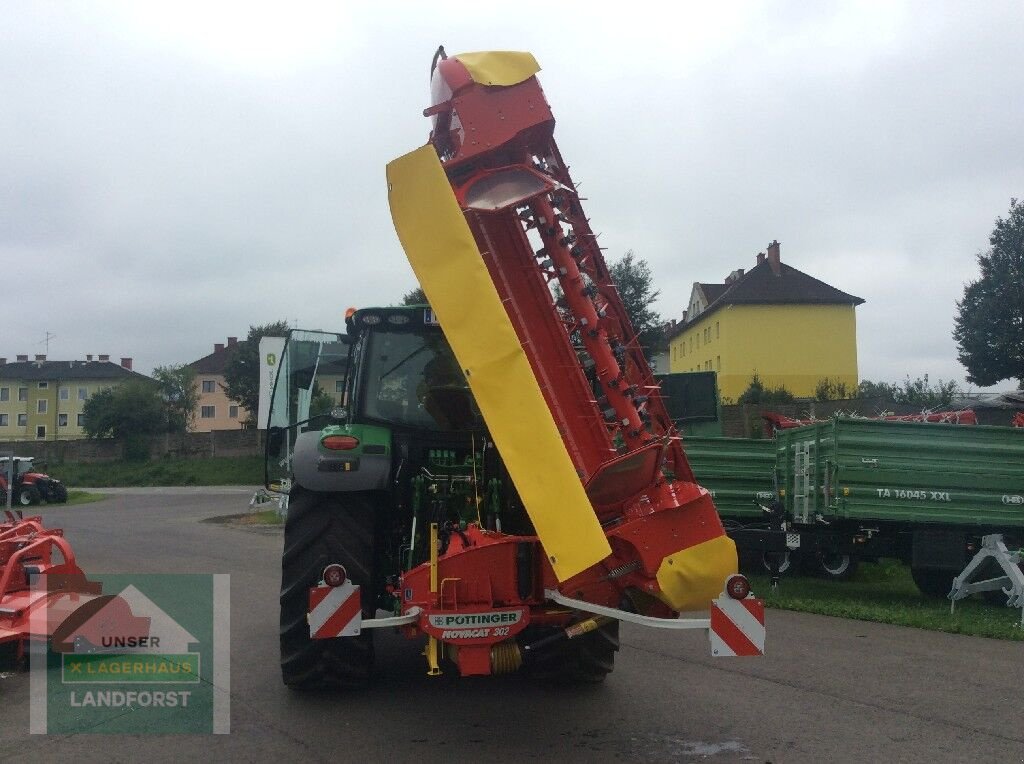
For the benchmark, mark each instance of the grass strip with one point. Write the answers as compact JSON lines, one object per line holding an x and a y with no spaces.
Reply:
{"x":244,"y":470}
{"x":885,"y":593}
{"x":84,"y":497}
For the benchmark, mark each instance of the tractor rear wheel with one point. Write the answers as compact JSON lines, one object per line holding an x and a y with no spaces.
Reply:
{"x":588,"y":659}
{"x":324,"y":528}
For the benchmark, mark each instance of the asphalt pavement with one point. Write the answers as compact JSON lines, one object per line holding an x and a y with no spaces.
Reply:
{"x":828,"y":689}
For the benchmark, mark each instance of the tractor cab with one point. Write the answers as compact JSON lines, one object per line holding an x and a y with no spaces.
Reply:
{"x":391,"y":376}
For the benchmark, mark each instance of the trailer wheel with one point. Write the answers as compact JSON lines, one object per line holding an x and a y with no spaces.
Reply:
{"x":28,"y":496}
{"x":584,"y":660}
{"x":933,"y":582}
{"x":323,"y":528}
{"x":837,"y":567}
{"x":784,"y":561}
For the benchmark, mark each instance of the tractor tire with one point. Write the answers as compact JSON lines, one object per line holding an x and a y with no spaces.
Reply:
{"x":323,"y":528}
{"x":835,"y":566}
{"x":28,"y":496}
{"x":588,"y":659}
{"x":59,"y":493}
{"x":933,"y":582}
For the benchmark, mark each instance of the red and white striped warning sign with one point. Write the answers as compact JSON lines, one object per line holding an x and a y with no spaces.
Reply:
{"x":334,"y":611}
{"x":737,"y":627}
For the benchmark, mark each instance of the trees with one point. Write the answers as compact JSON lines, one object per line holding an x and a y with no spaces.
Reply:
{"x":869,"y":389}
{"x":177,"y":388}
{"x":632,"y":275}
{"x":756,"y":392}
{"x":415,"y":297}
{"x":829,"y":389}
{"x":130,"y":409}
{"x":912,"y":392}
{"x":989,"y":324}
{"x":242,"y":371}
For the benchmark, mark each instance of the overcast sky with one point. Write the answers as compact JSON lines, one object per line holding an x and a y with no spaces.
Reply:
{"x":171,"y":173}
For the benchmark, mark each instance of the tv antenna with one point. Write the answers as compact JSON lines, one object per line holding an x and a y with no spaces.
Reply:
{"x":46,"y":341}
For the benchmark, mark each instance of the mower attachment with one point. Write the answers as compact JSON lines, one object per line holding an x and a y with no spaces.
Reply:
{"x":32,"y":607}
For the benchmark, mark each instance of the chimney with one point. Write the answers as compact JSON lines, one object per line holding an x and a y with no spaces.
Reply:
{"x":126,"y":363}
{"x":88,"y":357}
{"x":232,"y":341}
{"x":104,"y":358}
{"x":22,"y":357}
{"x":40,"y":357}
{"x":773,"y":258}
{"x":760,"y":257}
{"x":218,"y":347}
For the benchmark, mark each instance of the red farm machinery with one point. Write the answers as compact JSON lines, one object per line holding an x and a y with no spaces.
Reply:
{"x":41,"y":584}
{"x":499,"y":475}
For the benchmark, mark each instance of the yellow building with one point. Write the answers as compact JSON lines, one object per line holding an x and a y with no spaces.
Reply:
{"x":45,"y":400}
{"x":214,"y":410}
{"x":789,"y":328}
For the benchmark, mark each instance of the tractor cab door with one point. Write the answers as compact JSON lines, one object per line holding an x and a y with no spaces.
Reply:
{"x":307,"y":393}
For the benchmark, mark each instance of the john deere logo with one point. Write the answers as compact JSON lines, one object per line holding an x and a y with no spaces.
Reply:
{"x":271,"y":359}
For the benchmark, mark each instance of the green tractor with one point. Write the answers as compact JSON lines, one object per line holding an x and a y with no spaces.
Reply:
{"x":374,"y":436}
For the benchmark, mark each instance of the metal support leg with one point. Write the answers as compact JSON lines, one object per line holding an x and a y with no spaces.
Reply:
{"x":1011,"y":583}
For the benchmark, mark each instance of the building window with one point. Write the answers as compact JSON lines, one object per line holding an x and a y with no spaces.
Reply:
{"x":717,"y":334}
{"x":81,"y":420}
{"x":22,"y":393}
{"x":41,"y":406}
{"x":65,"y":394}
{"x":339,"y":385}
{"x":208,"y":412}
{"x":62,"y":420}
{"x":233,"y":412}
{"x":44,"y":385}
{"x":83,"y":394}
{"x":718,"y":363}
{"x":209,"y":386}
{"x":22,"y":420}
{"x":5,"y":393}
{"x":683,"y":349}
{"x":4,"y":420}
{"x":41,"y":432}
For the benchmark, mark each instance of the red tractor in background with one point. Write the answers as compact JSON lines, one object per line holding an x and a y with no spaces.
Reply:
{"x":29,"y":485}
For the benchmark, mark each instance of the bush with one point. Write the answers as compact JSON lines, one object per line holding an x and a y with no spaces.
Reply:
{"x":756,"y":392}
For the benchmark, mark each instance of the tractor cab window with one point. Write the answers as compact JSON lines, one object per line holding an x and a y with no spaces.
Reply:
{"x":413,"y":379}
{"x":307,"y":380}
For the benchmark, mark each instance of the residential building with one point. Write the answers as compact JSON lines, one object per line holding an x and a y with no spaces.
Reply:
{"x":790,"y":328}
{"x":215,"y":411}
{"x":45,"y":400}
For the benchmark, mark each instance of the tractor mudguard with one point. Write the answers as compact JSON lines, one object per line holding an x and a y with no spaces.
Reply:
{"x":366,"y":467}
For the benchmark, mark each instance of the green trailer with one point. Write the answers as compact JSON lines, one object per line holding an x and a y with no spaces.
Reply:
{"x":862,"y":470}
{"x":853,"y":489}
{"x":738,"y":472}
